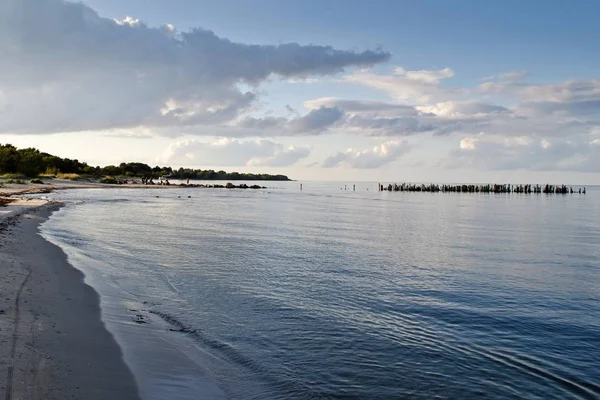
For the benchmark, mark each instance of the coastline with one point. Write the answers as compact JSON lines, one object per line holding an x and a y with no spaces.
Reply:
{"x":8,"y":192}
{"x":55,"y":343}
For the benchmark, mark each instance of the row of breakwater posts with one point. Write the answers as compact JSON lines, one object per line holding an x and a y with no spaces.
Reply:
{"x":491,"y":188}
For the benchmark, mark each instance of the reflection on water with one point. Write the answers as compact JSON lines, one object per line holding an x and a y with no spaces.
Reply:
{"x":327,"y":293}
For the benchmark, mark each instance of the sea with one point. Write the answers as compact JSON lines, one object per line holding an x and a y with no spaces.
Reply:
{"x":339,"y":291}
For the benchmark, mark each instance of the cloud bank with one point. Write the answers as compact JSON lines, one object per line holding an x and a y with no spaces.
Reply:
{"x":232,"y":152}
{"x":65,"y":68}
{"x":528,"y":153}
{"x":552,"y":126}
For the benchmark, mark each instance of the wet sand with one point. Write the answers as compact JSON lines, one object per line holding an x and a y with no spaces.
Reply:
{"x":8,"y":190}
{"x":54,"y":344}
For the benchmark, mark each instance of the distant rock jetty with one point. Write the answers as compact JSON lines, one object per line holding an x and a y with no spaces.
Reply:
{"x":165,"y":182}
{"x":492,"y":188}
{"x":227,"y":186}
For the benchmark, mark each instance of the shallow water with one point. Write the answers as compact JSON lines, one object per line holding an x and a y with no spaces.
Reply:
{"x":327,"y":293}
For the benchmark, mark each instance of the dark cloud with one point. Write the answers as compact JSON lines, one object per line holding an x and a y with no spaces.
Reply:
{"x":363,"y":106}
{"x":262,"y":124}
{"x":65,"y":68}
{"x":589,"y":108}
{"x":314,"y":122}
{"x":317,"y":120}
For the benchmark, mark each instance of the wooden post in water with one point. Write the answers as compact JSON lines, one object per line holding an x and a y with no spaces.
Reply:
{"x":300,"y":187}
{"x":354,"y":188}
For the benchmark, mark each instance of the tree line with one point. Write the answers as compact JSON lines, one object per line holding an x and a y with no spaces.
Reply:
{"x":32,"y":163}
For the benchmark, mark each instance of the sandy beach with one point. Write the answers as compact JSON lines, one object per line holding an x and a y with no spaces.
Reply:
{"x":9,"y":190}
{"x":54,"y":343}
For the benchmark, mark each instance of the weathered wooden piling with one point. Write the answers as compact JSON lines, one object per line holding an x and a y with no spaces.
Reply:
{"x":485,"y":188}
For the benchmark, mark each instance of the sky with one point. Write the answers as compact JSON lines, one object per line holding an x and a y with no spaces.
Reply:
{"x":433,"y":91}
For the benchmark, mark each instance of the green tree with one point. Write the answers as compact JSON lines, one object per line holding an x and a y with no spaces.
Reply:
{"x":9,"y":158}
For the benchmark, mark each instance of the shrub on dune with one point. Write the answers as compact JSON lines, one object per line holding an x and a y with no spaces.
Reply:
{"x":13,"y":176}
{"x":109,"y":180}
{"x":71,"y":177}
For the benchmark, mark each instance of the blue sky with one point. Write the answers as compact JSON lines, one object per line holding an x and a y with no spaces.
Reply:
{"x":427,"y":90}
{"x":557,"y":40}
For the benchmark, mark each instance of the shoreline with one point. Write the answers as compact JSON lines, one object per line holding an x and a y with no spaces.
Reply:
{"x":8,"y":192}
{"x":57,"y":345}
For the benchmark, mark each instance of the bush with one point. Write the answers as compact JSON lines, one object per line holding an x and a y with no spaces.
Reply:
{"x":13,"y":176}
{"x":51,"y":171}
{"x":36,"y":181}
{"x":109,"y":180}
{"x":71,"y":177}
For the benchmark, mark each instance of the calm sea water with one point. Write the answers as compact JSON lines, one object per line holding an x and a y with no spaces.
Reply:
{"x":326,"y":293}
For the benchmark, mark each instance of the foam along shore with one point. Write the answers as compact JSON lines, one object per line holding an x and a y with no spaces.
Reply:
{"x":55,"y":343}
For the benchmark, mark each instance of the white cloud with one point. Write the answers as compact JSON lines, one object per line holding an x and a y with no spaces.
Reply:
{"x":131,"y":22}
{"x":568,"y":91}
{"x":511,"y":76}
{"x":462,"y":109}
{"x":376,"y":118}
{"x":468,"y":143}
{"x":282,"y":157}
{"x":424,"y":75}
{"x":131,"y":134}
{"x":490,"y":152}
{"x":400,"y":126}
{"x":574,"y":90}
{"x":361,"y":118}
{"x":232,"y":152}
{"x":425,"y":105}
{"x":574,"y":112}
{"x":64,"y":68}
{"x":376,"y":157}
{"x":420,"y":86}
